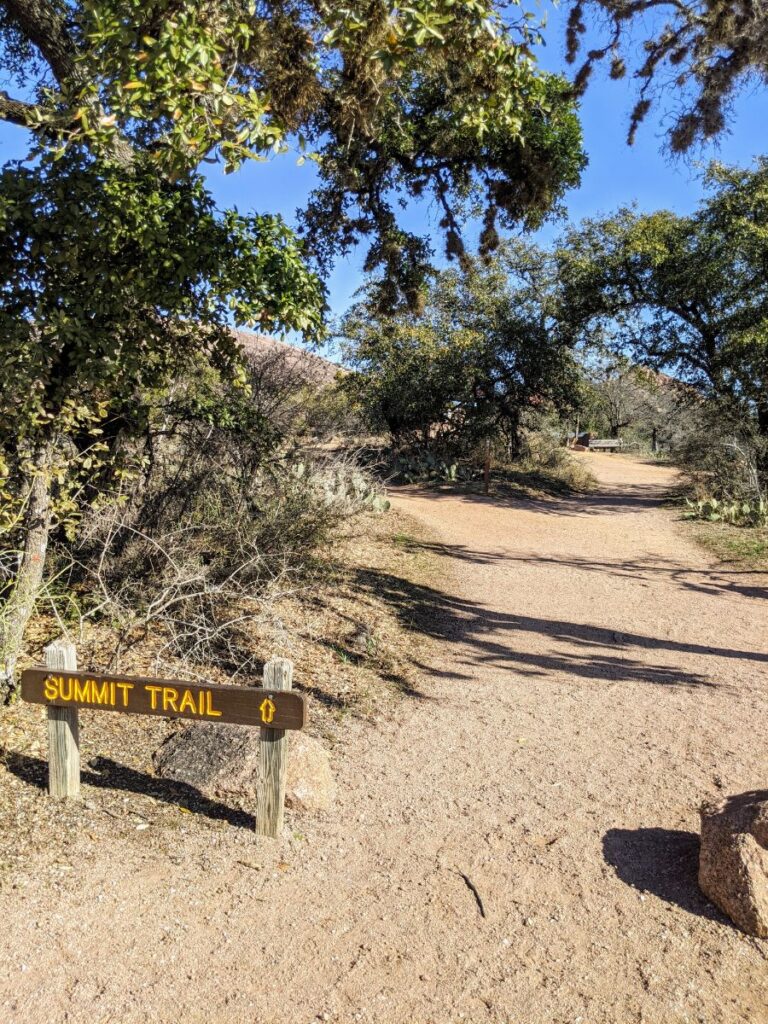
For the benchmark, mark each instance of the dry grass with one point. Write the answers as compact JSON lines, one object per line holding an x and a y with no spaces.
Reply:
{"x":563,"y":475}
{"x":737,"y":545}
{"x":559,"y":476}
{"x":354,"y":655}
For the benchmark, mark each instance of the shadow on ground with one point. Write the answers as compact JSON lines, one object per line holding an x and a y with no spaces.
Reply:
{"x":108,"y":774}
{"x":591,"y":652}
{"x":661,"y":861}
{"x":748,"y":583}
{"x":629,"y":498}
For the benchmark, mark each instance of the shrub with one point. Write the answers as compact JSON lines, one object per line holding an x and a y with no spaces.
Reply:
{"x":725,"y":459}
{"x":216,"y":531}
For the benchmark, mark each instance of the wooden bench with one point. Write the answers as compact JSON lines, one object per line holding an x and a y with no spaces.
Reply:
{"x":607,"y":444}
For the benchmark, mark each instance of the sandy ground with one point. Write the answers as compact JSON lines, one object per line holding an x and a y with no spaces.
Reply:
{"x":517,"y":845}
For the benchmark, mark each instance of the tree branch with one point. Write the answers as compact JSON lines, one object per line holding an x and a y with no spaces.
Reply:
{"x":43,"y":25}
{"x":16,"y":111}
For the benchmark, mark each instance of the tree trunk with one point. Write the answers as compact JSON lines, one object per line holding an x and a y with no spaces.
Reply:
{"x":761,"y":457}
{"x":20,"y":603}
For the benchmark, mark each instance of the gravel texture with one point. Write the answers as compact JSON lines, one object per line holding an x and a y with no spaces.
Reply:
{"x":513,"y":843}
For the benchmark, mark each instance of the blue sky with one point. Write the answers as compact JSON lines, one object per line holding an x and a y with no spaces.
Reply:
{"x":616,"y":175}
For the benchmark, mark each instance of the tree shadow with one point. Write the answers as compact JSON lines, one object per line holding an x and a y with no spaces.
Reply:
{"x":580,"y":649}
{"x":628,"y":498}
{"x":742,"y":582}
{"x":109,"y":774}
{"x":458,"y":551}
{"x":661,"y":861}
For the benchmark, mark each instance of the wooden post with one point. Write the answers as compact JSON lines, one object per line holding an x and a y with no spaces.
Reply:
{"x":63,"y":730}
{"x":278,"y":675}
{"x":487,"y":467}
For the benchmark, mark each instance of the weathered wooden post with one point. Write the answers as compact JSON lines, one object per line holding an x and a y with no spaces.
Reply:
{"x":278,"y":675}
{"x":63,"y":729}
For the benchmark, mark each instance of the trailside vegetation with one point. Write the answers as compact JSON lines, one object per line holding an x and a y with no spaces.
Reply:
{"x":485,"y":352}
{"x":688,"y":296}
{"x":119,"y":276}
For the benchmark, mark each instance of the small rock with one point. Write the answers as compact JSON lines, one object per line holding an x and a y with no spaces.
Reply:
{"x":309,"y":782}
{"x":218,"y":760}
{"x":733,"y":863}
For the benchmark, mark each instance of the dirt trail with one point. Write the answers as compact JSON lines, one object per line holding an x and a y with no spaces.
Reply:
{"x":518,"y":846}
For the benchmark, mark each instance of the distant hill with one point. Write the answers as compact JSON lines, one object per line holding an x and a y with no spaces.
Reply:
{"x":265,"y":351}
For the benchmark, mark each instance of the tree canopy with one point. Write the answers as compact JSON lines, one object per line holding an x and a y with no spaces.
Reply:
{"x":685,"y":294}
{"x":485,"y":349}
{"x":438,"y":97}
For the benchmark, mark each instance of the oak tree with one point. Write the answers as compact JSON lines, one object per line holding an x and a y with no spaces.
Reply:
{"x":116,"y":269}
{"x":486,"y":348}
{"x":686,"y":295}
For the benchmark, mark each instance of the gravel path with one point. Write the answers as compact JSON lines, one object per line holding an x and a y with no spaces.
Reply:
{"x":518,"y":847}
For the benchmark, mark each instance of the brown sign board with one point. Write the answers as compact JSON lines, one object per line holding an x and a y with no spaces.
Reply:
{"x":169,"y":698}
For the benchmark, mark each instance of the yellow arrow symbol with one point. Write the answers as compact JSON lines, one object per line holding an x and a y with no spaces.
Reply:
{"x":267,"y":709}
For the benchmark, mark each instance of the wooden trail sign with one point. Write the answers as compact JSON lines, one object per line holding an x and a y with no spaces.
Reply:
{"x":169,"y":698}
{"x":63,"y":690}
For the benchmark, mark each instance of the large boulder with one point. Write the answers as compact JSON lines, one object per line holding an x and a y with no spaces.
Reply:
{"x":733,"y":862}
{"x":218,"y":760}
{"x":222,"y":761}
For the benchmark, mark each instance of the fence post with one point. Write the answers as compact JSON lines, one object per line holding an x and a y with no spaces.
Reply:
{"x":63,"y":729}
{"x":278,"y":675}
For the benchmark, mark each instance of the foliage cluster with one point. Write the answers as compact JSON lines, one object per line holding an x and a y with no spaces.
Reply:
{"x":437,"y":97}
{"x":96,"y":329}
{"x":688,"y":295}
{"x":485,"y":349}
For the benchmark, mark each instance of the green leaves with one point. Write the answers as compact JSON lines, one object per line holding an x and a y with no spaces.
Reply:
{"x":112,"y":286}
{"x":684,"y":294}
{"x":483,"y":350}
{"x":174,"y":91}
